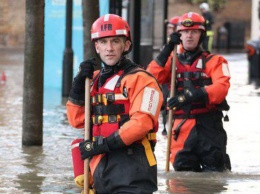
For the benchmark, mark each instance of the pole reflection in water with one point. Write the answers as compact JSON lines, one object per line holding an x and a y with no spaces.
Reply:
{"x":31,"y":180}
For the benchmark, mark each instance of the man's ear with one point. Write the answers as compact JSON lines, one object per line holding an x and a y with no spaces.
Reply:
{"x":96,"y":47}
{"x":127,"y":45}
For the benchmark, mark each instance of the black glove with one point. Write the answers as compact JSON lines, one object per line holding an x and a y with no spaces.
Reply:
{"x":89,"y":148}
{"x":77,"y":92}
{"x":189,"y":96}
{"x":173,"y":39}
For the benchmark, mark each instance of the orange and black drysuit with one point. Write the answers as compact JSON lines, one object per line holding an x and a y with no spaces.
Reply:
{"x":198,"y":137}
{"x":125,"y":110}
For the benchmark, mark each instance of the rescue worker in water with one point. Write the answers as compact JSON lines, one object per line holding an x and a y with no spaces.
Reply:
{"x":125,"y":106}
{"x":202,"y":83}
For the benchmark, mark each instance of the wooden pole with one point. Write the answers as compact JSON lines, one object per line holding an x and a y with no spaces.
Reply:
{"x":170,"y":121}
{"x":89,"y":16}
{"x":87,"y":133}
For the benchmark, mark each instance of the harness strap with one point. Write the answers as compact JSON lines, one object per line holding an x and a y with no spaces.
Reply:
{"x":108,"y":97}
{"x":178,"y":129}
{"x":148,"y":151}
{"x":150,"y":136}
{"x":195,"y":83}
{"x":191,"y":75}
{"x":111,"y":109}
{"x":99,"y":119}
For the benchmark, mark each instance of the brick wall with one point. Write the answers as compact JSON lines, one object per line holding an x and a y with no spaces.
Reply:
{"x":12,"y":17}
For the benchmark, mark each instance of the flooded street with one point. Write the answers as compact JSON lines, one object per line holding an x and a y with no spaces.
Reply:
{"x":48,"y":169}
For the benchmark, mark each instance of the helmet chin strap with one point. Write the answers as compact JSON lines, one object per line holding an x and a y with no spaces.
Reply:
{"x":203,"y":35}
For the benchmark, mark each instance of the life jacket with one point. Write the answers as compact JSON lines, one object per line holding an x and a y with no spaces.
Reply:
{"x":195,"y":77}
{"x":110,"y":106}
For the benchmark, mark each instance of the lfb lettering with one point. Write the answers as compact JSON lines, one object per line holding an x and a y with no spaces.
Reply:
{"x":106,"y":27}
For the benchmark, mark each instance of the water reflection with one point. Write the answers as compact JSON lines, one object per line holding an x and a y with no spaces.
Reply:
{"x":194,"y":183}
{"x":31,"y":180}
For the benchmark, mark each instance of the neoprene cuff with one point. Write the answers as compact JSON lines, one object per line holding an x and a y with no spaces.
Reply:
{"x":77,"y":95}
{"x":78,"y":101}
{"x":162,"y":58}
{"x":114,"y":141}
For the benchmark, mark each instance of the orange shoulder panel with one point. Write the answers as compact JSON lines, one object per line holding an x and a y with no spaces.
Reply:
{"x":217,"y":68}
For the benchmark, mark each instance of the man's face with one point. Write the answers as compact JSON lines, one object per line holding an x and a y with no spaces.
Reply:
{"x":110,"y":49}
{"x":170,"y":30}
{"x":190,"y":39}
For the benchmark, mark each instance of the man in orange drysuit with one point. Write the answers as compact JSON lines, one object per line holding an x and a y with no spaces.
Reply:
{"x":202,"y":83}
{"x":125,"y":106}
